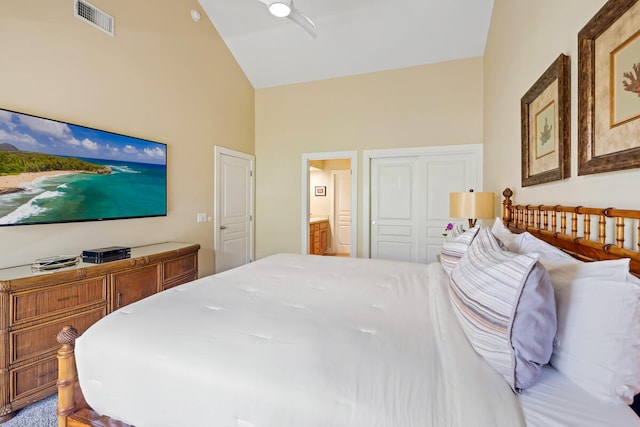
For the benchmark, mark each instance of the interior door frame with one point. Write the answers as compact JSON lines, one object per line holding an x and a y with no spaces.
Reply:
{"x":218,"y":151}
{"x":306,"y":158}
{"x":368,"y":155}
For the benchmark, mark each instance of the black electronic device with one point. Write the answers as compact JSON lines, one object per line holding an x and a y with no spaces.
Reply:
{"x":111,"y":253}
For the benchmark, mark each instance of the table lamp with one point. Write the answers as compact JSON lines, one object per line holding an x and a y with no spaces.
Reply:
{"x":471,"y":205}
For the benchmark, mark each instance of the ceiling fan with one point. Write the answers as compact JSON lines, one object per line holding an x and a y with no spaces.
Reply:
{"x":285,"y":9}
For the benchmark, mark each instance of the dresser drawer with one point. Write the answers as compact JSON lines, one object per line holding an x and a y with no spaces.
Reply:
{"x":41,"y":339}
{"x":32,"y":305}
{"x":174,"y":268}
{"x":180,"y":280}
{"x":33,"y":378}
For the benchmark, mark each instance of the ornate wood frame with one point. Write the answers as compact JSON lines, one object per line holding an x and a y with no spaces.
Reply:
{"x":588,"y":162}
{"x":560,"y":70}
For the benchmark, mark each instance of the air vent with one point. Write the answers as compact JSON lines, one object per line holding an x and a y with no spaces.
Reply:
{"x":93,"y":16}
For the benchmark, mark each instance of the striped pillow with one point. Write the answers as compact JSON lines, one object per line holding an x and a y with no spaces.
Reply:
{"x":456,"y":245}
{"x":506,"y":307}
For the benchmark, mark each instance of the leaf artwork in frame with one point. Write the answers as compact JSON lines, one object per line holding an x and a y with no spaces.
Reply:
{"x":608,"y":88}
{"x":545,"y":126}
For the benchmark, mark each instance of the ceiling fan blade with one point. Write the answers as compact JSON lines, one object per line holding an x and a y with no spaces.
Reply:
{"x":303,"y":21}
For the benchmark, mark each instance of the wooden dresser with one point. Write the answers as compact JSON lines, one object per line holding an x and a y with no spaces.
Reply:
{"x":35,"y":306}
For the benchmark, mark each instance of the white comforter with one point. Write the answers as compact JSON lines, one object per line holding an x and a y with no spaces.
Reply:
{"x":295,"y":341}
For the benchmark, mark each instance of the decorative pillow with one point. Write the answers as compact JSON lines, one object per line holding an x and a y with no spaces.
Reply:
{"x":599,"y":337}
{"x":506,"y":307}
{"x":456,"y":245}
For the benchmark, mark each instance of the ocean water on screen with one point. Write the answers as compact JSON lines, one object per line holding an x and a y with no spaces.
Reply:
{"x":131,"y":190}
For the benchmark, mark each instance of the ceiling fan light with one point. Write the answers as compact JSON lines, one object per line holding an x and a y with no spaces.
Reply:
{"x":281,"y":10}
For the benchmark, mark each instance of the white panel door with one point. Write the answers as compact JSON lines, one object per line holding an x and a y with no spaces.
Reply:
{"x":409,"y":202}
{"x":235,"y":211}
{"x":444,"y":176}
{"x":395,"y":208}
{"x":342,"y":211}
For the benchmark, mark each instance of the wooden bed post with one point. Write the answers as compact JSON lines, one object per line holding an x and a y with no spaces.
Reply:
{"x":67,"y":375}
{"x":506,"y":206}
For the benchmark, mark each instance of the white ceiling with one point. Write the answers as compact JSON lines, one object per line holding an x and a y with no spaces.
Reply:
{"x":354,"y":36}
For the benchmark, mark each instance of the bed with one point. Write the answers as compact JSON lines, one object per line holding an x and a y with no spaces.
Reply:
{"x":298,"y":340}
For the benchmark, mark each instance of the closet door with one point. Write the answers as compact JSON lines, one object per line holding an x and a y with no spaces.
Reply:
{"x":409,"y":202}
{"x":396,"y":208}
{"x":444,"y":175}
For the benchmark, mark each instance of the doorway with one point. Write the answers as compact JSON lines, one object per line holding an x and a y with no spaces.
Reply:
{"x":329,"y":193}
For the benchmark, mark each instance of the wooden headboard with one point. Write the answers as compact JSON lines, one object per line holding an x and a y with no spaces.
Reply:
{"x":616,"y":232}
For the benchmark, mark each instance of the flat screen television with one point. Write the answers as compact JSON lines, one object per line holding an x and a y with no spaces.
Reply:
{"x":54,"y":172}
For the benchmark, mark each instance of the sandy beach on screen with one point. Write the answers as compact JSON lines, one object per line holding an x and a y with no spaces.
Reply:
{"x":18,"y":181}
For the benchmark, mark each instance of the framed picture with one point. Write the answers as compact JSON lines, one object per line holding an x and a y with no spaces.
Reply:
{"x":546,"y":130}
{"x":321,"y":190}
{"x":609,"y":89}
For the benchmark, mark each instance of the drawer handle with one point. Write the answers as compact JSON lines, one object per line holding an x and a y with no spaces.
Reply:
{"x":41,"y":376}
{"x":118,"y":298}
{"x":66,"y":298}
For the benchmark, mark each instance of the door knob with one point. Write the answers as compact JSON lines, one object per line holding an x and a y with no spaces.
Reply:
{"x":223,"y":227}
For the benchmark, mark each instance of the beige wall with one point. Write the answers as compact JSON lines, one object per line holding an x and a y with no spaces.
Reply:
{"x":429,"y":105}
{"x":162,"y":77}
{"x":524,"y":39}
{"x":166,"y":78}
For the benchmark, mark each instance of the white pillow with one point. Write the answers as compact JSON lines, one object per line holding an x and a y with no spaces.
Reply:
{"x":549,"y":254}
{"x":598,"y":338}
{"x":615,"y":270}
{"x":502,"y":233}
{"x":563,"y":268}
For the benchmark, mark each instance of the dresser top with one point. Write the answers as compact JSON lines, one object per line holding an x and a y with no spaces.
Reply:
{"x":22,"y":271}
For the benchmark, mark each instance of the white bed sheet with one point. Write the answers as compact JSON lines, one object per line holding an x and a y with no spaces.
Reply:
{"x":555,"y":401}
{"x":294,"y":340}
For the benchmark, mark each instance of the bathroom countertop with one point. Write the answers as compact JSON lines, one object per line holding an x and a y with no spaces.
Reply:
{"x":315,"y":219}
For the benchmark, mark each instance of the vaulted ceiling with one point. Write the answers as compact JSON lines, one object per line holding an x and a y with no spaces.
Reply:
{"x":354,"y":36}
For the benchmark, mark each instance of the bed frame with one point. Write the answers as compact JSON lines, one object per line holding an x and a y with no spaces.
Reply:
{"x":618,"y":236}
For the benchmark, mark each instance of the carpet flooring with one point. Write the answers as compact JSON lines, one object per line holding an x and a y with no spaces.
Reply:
{"x":39,"y":414}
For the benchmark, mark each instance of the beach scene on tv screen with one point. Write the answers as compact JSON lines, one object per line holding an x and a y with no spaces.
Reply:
{"x":52,"y":171}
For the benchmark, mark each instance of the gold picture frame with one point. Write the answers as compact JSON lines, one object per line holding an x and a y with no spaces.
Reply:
{"x":545,"y":126}
{"x":609,"y":89}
